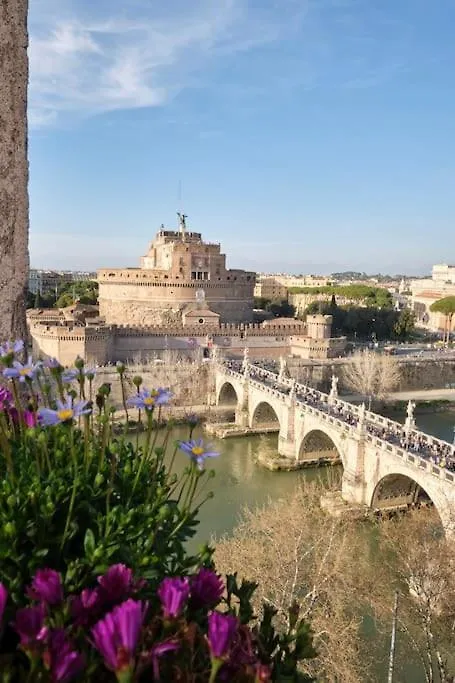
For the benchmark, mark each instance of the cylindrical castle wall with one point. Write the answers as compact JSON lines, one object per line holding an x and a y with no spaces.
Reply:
{"x":150,"y":303}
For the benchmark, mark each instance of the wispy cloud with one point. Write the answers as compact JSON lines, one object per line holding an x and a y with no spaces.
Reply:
{"x":90,"y":57}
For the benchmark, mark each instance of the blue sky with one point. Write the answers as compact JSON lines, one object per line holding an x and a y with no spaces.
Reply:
{"x":306,"y":135}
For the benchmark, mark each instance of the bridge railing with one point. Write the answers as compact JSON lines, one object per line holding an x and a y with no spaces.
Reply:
{"x":412,"y":459}
{"x":370,"y":417}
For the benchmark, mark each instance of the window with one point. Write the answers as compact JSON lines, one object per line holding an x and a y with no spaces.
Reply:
{"x":193,"y":275}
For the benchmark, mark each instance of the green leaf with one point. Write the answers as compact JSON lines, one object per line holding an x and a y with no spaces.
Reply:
{"x":89,"y":543}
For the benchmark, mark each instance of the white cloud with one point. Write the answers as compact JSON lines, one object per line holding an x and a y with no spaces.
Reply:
{"x":89,"y":57}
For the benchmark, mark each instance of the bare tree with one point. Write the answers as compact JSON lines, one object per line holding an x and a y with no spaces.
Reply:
{"x":418,"y":562}
{"x":370,"y":374}
{"x":297,"y":553}
{"x":13,"y":168}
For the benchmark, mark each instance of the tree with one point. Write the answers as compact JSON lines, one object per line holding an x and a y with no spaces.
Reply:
{"x":418,"y":562}
{"x":298,"y":553}
{"x":446,"y":306}
{"x":370,"y":374}
{"x":14,"y":221}
{"x":405,"y":325}
{"x":280,"y":308}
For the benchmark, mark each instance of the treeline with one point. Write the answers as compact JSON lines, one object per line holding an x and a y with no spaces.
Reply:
{"x":371,"y":296}
{"x":85,"y":291}
{"x":372,"y":323}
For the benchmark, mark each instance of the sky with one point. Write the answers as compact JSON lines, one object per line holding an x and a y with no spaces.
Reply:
{"x":306,"y":136}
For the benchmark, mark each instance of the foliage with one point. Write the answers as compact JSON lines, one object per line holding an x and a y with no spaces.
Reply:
{"x":405,"y":325}
{"x":280,"y":308}
{"x":446,"y":306}
{"x":371,"y":374}
{"x":118,"y":629}
{"x":370,"y":296}
{"x":363,"y":323}
{"x":77,"y":498}
{"x":84,"y":291}
{"x":303,"y":555}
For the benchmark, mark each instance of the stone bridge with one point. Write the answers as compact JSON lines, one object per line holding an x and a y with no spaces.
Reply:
{"x":377,"y":473}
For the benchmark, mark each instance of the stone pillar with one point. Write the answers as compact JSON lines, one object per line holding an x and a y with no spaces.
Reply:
{"x":242,"y":417}
{"x":14,"y":262}
{"x":286,"y":436}
{"x":353,"y":485}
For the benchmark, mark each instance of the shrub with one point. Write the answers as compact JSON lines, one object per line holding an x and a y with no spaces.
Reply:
{"x":76,"y":498}
{"x":186,"y":631}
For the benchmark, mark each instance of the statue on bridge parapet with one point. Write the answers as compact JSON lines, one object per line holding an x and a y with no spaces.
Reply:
{"x":246,"y":361}
{"x":283,"y":369}
{"x":410,"y":422}
{"x":333,"y":389}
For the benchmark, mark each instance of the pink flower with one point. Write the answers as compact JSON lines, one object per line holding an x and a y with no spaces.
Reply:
{"x":117,"y":583}
{"x":206,"y":588}
{"x":158,"y":651}
{"x":46,"y":587}
{"x":61,"y":659}
{"x":222,"y":629}
{"x":29,"y":625}
{"x":116,"y":635}
{"x":173,"y":593}
{"x":30,"y":419}
{"x":86,"y":606}
{"x":3,"y":601}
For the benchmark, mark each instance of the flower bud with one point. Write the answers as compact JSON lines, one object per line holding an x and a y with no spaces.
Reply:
{"x":99,"y":479}
{"x":9,"y":529}
{"x":79,"y":363}
{"x":120,"y":367}
{"x":137,"y":381}
{"x":105,"y":389}
{"x":90,"y":376}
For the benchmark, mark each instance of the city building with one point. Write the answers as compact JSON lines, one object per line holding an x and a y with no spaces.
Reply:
{"x":45,"y":281}
{"x":179,"y":270}
{"x":425,"y":291}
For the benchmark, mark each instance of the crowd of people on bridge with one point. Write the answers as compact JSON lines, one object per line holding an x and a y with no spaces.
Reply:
{"x":437,"y":452}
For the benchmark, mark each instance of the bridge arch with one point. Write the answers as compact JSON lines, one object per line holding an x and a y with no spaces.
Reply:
{"x":319,"y":441}
{"x":403,"y":488}
{"x":227,"y":395}
{"x":264,"y":413}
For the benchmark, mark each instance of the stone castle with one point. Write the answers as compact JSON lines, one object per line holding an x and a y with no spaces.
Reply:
{"x":178,"y":272}
{"x":181,"y":299}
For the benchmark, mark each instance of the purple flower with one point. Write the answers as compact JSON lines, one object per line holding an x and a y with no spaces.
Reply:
{"x":147,"y":400}
{"x":66,"y":410}
{"x":69,"y":375}
{"x":11,"y":347}
{"x":63,"y":662}
{"x":21,"y":371}
{"x":29,"y":625}
{"x":5,"y":398}
{"x":30,"y":419}
{"x":173,"y":593}
{"x":3,"y":600}
{"x":85,"y":607}
{"x":197,"y":451}
{"x":206,"y":588}
{"x":117,"y":583}
{"x":46,"y":587}
{"x":52,"y":364}
{"x":222,"y":629}
{"x":158,"y":651}
{"x":116,"y":635}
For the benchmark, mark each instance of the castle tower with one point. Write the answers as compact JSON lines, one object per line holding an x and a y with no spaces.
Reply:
{"x":319,"y":326}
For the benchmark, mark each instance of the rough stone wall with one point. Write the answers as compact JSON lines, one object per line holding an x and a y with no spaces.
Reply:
{"x":13,"y":168}
{"x":145,"y":303}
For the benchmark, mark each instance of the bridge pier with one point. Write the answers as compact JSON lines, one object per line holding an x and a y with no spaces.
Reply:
{"x":353,"y":486}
